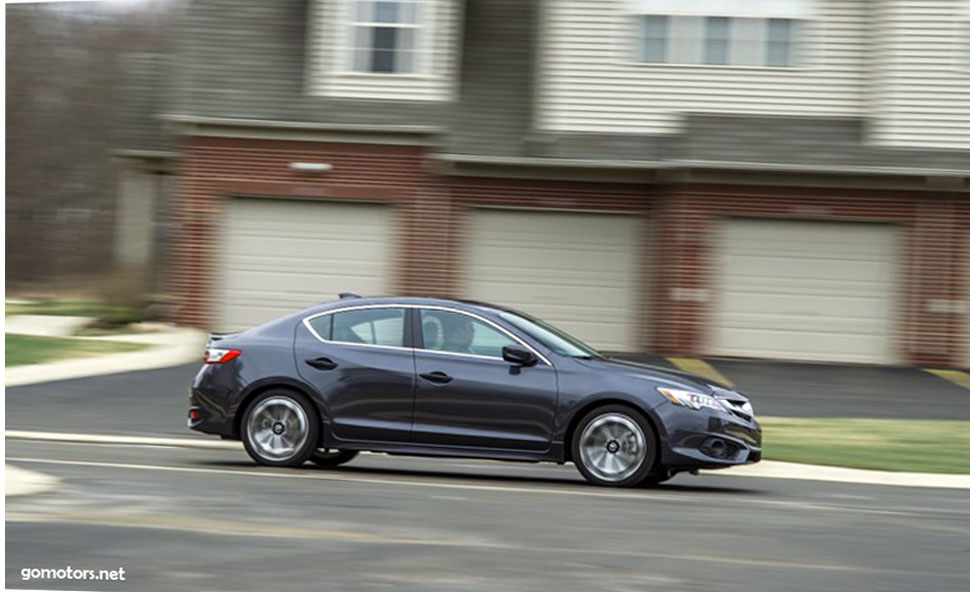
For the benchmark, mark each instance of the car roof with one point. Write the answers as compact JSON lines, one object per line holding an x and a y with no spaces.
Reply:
{"x":410,"y":300}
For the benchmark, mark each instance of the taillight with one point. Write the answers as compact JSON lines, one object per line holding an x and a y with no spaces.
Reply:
{"x":220,"y":356}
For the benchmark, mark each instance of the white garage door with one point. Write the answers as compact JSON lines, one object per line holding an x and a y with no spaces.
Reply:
{"x":578,"y":271}
{"x":806,"y":290}
{"x":280,"y":256}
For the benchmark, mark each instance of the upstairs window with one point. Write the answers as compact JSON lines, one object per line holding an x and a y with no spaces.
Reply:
{"x":717,"y":40}
{"x":385,"y":36}
{"x":399,"y":50}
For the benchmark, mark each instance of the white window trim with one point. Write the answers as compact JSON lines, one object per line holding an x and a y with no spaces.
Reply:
{"x":793,"y":9}
{"x":418,"y":307}
{"x":426,"y":30}
{"x":626,"y":26}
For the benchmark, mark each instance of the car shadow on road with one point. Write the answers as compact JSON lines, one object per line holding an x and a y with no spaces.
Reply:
{"x":451,"y":475}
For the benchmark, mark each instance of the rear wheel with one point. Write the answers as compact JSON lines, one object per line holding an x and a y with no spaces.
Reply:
{"x":280,"y":428}
{"x":330,"y":457}
{"x":614,"y":446}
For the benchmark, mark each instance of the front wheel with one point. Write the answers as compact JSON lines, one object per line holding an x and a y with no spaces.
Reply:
{"x":614,"y":446}
{"x":280,"y":429}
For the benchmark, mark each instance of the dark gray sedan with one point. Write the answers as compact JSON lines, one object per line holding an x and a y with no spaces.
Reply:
{"x":435,"y":377}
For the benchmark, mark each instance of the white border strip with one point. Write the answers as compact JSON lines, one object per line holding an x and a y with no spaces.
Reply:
{"x":129,"y":440}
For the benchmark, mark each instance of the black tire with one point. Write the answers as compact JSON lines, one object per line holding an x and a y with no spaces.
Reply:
{"x":332,"y":458}
{"x":626,"y":435}
{"x":297,"y":416}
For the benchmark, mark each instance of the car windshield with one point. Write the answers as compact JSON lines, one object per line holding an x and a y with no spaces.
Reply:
{"x":551,"y":337}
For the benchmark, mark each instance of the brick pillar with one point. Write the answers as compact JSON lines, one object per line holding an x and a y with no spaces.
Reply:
{"x":681,"y":293}
{"x":933,"y":324}
{"x":429,"y":247}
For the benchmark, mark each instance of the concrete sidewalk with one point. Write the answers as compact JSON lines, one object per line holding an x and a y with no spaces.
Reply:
{"x":18,"y":481}
{"x":44,"y":325}
{"x":169,"y":346}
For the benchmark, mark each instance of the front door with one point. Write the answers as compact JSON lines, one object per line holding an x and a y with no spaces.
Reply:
{"x":467,"y":395}
{"x":358,"y":361}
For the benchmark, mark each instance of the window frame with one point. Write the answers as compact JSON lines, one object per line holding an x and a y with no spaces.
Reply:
{"x":633,"y":54}
{"x":423,"y":28}
{"x":419,"y":334}
{"x":413,"y":336}
{"x":406,"y":338}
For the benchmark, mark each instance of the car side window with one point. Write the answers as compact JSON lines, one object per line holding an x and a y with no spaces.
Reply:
{"x":321,"y":326}
{"x":458,"y":333}
{"x":373,"y":326}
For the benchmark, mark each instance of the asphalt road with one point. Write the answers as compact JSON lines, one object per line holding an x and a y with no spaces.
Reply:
{"x":154,"y":402}
{"x":178,"y":519}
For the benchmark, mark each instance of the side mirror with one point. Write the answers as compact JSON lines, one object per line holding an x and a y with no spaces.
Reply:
{"x":519,"y":355}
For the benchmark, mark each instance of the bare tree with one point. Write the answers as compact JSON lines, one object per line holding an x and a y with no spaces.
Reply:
{"x":61,"y":93}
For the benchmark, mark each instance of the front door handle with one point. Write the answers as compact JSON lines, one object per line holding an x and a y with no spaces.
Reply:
{"x":439,"y":377}
{"x":322,"y":363}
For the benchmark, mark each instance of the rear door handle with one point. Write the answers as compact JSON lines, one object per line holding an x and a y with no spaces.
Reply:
{"x":322,"y":363}
{"x":439,"y":377}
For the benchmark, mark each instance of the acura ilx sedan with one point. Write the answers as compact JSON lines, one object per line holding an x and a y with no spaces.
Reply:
{"x":431,"y":377}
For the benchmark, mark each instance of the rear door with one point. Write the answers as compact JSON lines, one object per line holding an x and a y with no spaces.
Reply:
{"x":467,"y":395}
{"x":358,"y":360}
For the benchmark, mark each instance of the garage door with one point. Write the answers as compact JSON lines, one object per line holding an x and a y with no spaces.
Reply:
{"x":806,"y":290}
{"x":281,"y":256}
{"x":578,"y":271}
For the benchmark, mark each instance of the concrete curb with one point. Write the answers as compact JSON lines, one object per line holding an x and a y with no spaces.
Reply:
{"x":170,"y":348}
{"x":206,"y":444}
{"x":20,"y":481}
{"x":766,"y":469}
{"x":773,"y":469}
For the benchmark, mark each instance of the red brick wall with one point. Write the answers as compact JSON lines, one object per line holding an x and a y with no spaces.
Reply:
{"x":430,"y":212}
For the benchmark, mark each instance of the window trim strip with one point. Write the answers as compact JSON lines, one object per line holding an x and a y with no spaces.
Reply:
{"x":306,"y":323}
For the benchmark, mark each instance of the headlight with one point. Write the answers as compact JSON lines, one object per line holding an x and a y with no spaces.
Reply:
{"x":690,"y":399}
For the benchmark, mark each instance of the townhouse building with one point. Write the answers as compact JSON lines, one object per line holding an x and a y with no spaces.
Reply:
{"x":782,"y":179}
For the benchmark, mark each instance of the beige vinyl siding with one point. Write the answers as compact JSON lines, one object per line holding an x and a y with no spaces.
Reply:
{"x":921,"y":74}
{"x":589,"y":81}
{"x":329,"y":62}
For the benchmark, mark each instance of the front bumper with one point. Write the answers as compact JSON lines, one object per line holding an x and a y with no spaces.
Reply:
{"x":707,"y":439}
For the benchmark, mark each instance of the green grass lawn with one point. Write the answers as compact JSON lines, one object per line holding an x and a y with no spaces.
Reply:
{"x":886,"y":444}
{"x":29,"y":349}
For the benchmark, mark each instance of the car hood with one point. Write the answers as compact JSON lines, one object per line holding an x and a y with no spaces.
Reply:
{"x":675,"y":378}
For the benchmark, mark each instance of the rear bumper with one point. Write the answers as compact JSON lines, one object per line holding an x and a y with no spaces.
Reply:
{"x":209,"y":406}
{"x":707,"y":439}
